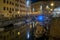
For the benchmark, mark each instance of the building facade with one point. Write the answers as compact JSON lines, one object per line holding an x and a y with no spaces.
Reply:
{"x":35,"y":8}
{"x":43,"y":6}
{"x":16,"y":33}
{"x":9,"y":8}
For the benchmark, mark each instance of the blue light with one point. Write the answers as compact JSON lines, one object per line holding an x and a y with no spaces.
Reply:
{"x":27,"y":3}
{"x":40,"y":18}
{"x":28,"y":35}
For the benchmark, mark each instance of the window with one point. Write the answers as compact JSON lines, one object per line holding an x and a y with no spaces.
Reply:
{"x":7,"y":2}
{"x":4,"y":1}
{"x":22,"y":2}
{"x":22,"y":10}
{"x":16,"y":9}
{"x":12,"y":9}
{"x":10,"y":2}
{"x":22,"y":6}
{"x":4,"y":8}
{"x":16,"y":4}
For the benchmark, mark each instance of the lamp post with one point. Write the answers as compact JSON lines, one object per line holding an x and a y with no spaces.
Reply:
{"x":19,"y":35}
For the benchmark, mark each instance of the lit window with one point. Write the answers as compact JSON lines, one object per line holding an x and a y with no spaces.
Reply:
{"x":18,"y":33}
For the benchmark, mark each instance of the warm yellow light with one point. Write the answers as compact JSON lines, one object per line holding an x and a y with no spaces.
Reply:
{"x":51,"y":9}
{"x":18,"y":12}
{"x":18,"y":33}
{"x":52,"y":4}
{"x":30,"y":26}
{"x":47,"y":7}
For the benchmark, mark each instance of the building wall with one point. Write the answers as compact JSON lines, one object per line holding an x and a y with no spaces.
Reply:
{"x":36,"y":7}
{"x":6,"y":8}
{"x":13,"y":34}
{"x":55,"y":29}
{"x":10,"y":8}
{"x":23,"y":7}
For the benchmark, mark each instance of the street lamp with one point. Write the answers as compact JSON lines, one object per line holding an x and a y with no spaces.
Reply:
{"x":18,"y":13}
{"x":18,"y":33}
{"x":52,"y":4}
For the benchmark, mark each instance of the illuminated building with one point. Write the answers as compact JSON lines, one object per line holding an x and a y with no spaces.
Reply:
{"x":35,"y":8}
{"x":16,"y":33}
{"x":47,"y":6}
{"x":9,"y":8}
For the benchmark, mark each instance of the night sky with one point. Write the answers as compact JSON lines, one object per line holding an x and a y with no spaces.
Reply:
{"x":33,"y":1}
